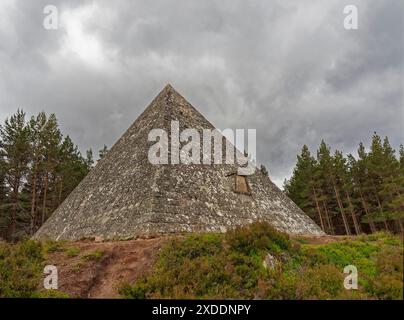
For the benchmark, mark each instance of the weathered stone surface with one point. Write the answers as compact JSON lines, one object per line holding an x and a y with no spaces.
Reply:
{"x":126,"y":196}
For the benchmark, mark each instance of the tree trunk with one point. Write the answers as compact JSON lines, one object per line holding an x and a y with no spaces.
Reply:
{"x":379,"y":205}
{"x":371,"y":223}
{"x":13,"y":219}
{"x":327,"y":216}
{"x":33,"y":199}
{"x":381,"y":211}
{"x":16,"y":186}
{"x":397,"y":191}
{"x":44,"y":198}
{"x":344,"y":219}
{"x":400,"y":223}
{"x":355,"y":221}
{"x":329,"y":221}
{"x":60,"y":191}
{"x":318,"y":209}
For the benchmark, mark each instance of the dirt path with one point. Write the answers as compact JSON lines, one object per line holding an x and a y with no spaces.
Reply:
{"x":91,"y":269}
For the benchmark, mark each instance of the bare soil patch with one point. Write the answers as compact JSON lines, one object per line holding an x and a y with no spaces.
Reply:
{"x":89,"y":269}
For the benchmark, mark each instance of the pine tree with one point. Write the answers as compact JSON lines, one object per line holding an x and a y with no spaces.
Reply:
{"x":71,"y":169}
{"x":102,"y":152}
{"x":330,"y":177}
{"x":37,"y":144}
{"x":89,"y":159}
{"x":37,"y":171}
{"x":361,"y":178}
{"x":303,"y":187}
{"x":343,"y":173}
{"x":393,"y":186}
{"x":3,"y":198}
{"x":14,"y":150}
{"x":376,"y":178}
{"x":360,"y":194}
{"x":264,"y":170}
{"x":52,"y":138}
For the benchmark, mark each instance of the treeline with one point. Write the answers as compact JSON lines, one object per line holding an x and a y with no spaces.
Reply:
{"x":38,"y":169}
{"x":351,"y":195}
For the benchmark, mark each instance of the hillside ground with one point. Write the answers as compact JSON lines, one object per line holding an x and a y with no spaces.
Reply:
{"x":114,"y":263}
{"x":254,"y":262}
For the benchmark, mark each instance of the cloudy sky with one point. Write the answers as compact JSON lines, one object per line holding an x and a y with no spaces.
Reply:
{"x":287,"y":68}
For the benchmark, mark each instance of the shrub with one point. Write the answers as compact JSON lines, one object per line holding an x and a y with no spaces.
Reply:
{"x":350,"y":252}
{"x":319,"y":282}
{"x":20,"y":268}
{"x":229,"y":266}
{"x":305,"y":283}
{"x":137,"y":291}
{"x":50,"y":294}
{"x":388,"y":282}
{"x":52,"y":246}
{"x":211,"y":265}
{"x":258,"y":237}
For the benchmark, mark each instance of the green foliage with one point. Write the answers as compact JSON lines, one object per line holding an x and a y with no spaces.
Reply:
{"x":21,"y":267}
{"x":51,"y":293}
{"x":72,"y":251}
{"x":388,"y":281}
{"x":136,"y":291}
{"x":264,"y":170}
{"x":94,"y":255}
{"x":258,"y":237}
{"x":51,"y":246}
{"x":210,"y":265}
{"x":348,"y":194}
{"x":38,"y":169}
{"x":351,"y":252}
{"x":323,"y":281}
{"x":102,"y":152}
{"x":230,"y":266}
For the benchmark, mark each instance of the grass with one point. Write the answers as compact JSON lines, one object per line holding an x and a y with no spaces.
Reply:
{"x":94,"y":255}
{"x":230,"y":266}
{"x":51,"y":246}
{"x":72,"y":252}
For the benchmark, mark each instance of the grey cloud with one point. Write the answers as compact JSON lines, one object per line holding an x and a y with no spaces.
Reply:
{"x":287,"y":68}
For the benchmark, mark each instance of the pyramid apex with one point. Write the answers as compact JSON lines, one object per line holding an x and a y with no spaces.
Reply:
{"x":168,"y":87}
{"x":169,"y":90}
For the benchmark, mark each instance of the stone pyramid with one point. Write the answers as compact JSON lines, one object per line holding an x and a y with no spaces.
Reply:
{"x":125,"y":196}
